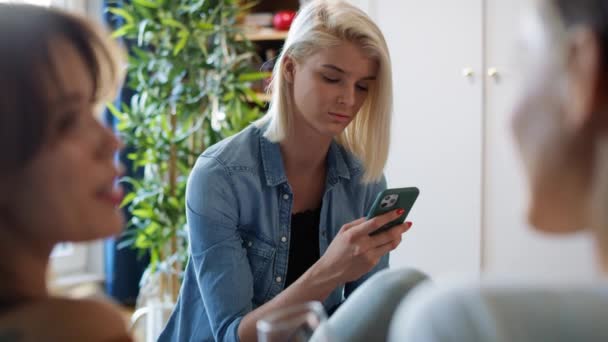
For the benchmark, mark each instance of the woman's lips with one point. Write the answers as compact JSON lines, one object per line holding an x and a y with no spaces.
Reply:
{"x":340,"y":117}
{"x":112,"y":194}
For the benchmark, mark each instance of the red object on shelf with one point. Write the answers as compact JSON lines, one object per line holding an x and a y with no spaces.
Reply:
{"x":282,"y":20}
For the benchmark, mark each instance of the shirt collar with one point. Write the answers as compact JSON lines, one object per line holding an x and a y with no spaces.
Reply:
{"x":274,"y":170}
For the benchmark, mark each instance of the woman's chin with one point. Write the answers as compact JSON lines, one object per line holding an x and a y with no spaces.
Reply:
{"x":109,"y":226}
{"x":549,"y":223}
{"x":335,"y":129}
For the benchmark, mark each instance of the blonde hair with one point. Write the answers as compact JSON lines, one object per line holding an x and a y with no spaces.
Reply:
{"x":325,"y":23}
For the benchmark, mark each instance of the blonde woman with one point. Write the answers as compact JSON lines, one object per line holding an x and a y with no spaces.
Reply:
{"x":275,"y":212}
{"x":561,"y":128}
{"x":57,"y":173}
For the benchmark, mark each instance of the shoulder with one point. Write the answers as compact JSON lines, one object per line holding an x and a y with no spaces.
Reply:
{"x":216,"y":175}
{"x":241,"y":148}
{"x":234,"y":154}
{"x":238,"y":150}
{"x":440,"y":313}
{"x":66,"y":320}
{"x":473,"y":312}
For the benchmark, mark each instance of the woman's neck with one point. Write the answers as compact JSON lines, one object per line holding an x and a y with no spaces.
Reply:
{"x":304,"y":150}
{"x":23,"y":266}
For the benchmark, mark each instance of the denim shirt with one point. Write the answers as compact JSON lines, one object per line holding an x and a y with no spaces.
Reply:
{"x":239,"y":213}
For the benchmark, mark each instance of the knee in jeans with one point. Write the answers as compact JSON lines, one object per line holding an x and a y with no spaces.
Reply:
{"x":397,"y":279}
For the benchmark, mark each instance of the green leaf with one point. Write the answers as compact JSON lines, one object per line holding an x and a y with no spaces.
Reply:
{"x":142,"y":242}
{"x":140,"y":35}
{"x":154,"y":258}
{"x":252,"y":96}
{"x":173,"y":23}
{"x":146,"y":3}
{"x":122,"y":31}
{"x":184,"y":35}
{"x":121,"y":12}
{"x":128,"y":199}
{"x":254,"y":76}
{"x":123,"y":126}
{"x":143,"y":213}
{"x":201,"y":25}
{"x":120,"y":116}
{"x":228,"y":96}
{"x":174,"y":202}
{"x":126,"y":243}
{"x":132,"y":181}
{"x":141,"y":54}
{"x":151,"y":229}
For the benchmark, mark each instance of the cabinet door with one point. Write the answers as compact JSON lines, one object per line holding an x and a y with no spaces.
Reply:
{"x":510,"y":246}
{"x":437,"y":128}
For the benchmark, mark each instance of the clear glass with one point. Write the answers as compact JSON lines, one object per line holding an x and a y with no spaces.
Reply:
{"x":299,"y":323}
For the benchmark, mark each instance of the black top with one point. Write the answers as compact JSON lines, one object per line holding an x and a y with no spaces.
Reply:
{"x":304,"y":243}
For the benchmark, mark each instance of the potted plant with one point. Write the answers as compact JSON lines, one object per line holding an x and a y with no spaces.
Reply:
{"x":190,"y":67}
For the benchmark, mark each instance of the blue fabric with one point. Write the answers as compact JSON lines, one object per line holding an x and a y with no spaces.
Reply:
{"x":239,"y":210}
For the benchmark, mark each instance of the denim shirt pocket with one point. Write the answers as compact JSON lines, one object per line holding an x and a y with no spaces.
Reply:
{"x":261,"y":254}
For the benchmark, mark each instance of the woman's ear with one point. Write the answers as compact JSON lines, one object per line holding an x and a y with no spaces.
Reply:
{"x":289,"y":69}
{"x":584,"y":68}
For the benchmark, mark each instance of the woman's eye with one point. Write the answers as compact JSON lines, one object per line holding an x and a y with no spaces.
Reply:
{"x":362,"y":87}
{"x":331,"y":80}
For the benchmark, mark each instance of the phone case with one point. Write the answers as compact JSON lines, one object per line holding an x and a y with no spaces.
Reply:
{"x":392,"y":199}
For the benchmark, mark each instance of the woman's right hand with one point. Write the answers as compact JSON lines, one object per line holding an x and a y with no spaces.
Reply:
{"x":353,"y":252}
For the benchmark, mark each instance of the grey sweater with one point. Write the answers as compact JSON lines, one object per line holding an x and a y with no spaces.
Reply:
{"x":502,"y":313}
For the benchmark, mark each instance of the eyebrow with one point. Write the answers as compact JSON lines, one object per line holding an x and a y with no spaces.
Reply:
{"x":335,"y":68}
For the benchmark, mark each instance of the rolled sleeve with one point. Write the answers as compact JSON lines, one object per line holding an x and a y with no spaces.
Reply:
{"x":223,"y":274}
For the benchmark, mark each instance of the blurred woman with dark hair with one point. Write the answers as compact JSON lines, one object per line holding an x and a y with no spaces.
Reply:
{"x":57,"y":170}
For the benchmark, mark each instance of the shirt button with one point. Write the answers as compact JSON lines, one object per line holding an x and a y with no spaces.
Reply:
{"x":286,"y":197}
{"x":284,"y":239}
{"x":279,"y":279}
{"x":249,"y":243}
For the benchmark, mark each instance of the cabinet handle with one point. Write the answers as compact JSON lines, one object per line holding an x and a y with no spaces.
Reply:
{"x":468,"y":72}
{"x":493,"y":72}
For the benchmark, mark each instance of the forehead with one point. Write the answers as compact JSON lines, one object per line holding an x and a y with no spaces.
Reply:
{"x":346,"y":56}
{"x":69,"y":76}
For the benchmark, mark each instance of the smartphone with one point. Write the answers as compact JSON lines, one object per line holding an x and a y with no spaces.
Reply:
{"x":393,"y":199}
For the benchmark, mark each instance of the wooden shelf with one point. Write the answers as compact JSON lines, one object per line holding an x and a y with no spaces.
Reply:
{"x":265,"y":34}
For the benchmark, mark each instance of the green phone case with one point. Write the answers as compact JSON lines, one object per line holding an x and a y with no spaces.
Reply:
{"x":392,"y":199}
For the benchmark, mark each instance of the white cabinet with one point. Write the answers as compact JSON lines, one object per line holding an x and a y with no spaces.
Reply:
{"x":437,"y":131}
{"x":451,"y":138}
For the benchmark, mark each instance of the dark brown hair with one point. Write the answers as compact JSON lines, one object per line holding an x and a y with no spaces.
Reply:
{"x":26,"y":32}
{"x":588,"y":13}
